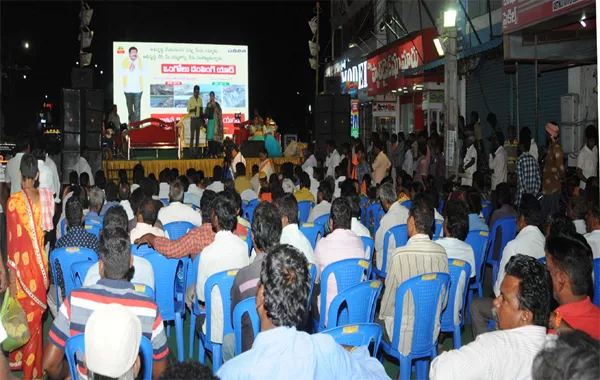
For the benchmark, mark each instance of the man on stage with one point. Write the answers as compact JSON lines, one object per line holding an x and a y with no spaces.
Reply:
{"x":194,"y":107}
{"x":133,"y":72}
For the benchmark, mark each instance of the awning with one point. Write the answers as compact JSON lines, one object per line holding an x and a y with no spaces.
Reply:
{"x":462,"y":55}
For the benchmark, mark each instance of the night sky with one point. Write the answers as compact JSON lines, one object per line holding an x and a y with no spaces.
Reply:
{"x":276,"y":34}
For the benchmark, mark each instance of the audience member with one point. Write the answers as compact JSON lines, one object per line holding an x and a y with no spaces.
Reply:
{"x":577,"y":211}
{"x":587,"y":159}
{"x":554,"y":171}
{"x":163,"y":186}
{"x":381,"y":165}
{"x":112,"y":343}
{"x":95,"y":206}
{"x":241,"y":182}
{"x":112,"y":197}
{"x":146,"y":217}
{"x":356,"y":226}
{"x":570,"y":263}
{"x":527,"y":168}
{"x":196,"y":189}
{"x":511,"y":146}
{"x":593,"y":224}
{"x":216,"y":185}
{"x":324,"y":198}
{"x":420,"y":255}
{"x":395,"y":214}
{"x":504,"y":205}
{"x":529,"y":241}
{"x":473,"y":199}
{"x":124,"y":194}
{"x":558,"y":223}
{"x":76,"y":235}
{"x":226,"y":252}
{"x":115,"y":261}
{"x":572,"y":355}
{"x":281,"y":350}
{"x":304,"y":193}
{"x":333,"y":158}
{"x":267,"y":226}
{"x":291,"y":234}
{"x":521,"y":314}
{"x":498,"y":161}
{"x":456,"y":228}
{"x":177,"y":211}
{"x":255,"y":180}
{"x":340,"y":244}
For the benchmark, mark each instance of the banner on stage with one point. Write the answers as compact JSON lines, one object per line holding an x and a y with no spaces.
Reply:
{"x":155,"y":79}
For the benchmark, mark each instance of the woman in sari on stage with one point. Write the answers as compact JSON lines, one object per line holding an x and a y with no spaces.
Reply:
{"x":256,"y":130}
{"x":272,"y":145}
{"x":28,"y":215}
{"x":214,"y":127}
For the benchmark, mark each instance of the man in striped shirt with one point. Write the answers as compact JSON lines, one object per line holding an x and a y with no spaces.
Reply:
{"x":115,"y":262}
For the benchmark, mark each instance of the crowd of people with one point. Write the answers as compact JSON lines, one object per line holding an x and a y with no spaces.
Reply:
{"x":545,"y":322}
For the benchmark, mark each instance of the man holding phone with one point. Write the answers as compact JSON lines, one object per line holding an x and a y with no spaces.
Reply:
{"x":194,"y":108}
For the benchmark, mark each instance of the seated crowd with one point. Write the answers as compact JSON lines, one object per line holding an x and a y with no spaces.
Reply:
{"x":539,"y":322}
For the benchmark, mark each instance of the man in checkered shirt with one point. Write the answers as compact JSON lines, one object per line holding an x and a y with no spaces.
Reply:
{"x":528,"y":170}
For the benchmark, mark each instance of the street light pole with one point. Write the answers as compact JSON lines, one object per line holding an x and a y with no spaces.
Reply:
{"x":451,"y":102}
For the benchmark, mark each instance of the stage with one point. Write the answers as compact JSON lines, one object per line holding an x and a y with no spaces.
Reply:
{"x":112,"y":167}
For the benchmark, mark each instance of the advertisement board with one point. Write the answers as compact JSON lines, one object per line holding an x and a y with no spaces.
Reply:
{"x":155,"y":79}
{"x":519,"y":14}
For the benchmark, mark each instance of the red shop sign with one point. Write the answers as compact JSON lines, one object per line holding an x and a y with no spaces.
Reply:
{"x":384,"y":69}
{"x":519,"y":14}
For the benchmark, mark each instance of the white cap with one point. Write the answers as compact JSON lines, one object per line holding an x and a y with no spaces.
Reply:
{"x":112,"y":340}
{"x":288,"y":186}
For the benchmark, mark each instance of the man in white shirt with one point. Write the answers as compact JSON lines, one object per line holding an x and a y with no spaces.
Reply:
{"x":533,"y":150}
{"x":395,"y":214}
{"x":587,"y":160}
{"x":124,"y":193}
{"x":291,"y":234}
{"x":498,"y":161}
{"x":132,"y":71}
{"x":456,"y":228}
{"x":408,"y":164}
{"x":226,"y":252}
{"x":54,"y":170}
{"x":82,"y":166}
{"x":195,"y":190}
{"x":529,"y":241}
{"x":236,"y":156}
{"x":177,"y":211}
{"x":316,"y":176}
{"x":311,"y":161}
{"x":216,"y":185}
{"x":324,"y":198}
{"x":593,"y":223}
{"x":146,"y":217}
{"x":470,"y":161}
{"x":333,"y":158}
{"x":357,"y":227}
{"x":521,"y":314}
{"x":577,"y":211}
{"x":12,"y":173}
{"x":163,"y":184}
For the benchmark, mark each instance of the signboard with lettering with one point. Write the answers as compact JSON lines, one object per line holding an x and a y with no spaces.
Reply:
{"x":519,"y":14}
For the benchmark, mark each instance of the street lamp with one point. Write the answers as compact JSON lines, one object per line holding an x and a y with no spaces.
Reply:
{"x":101,"y":72}
{"x":450,"y":18}
{"x":438,"y":47}
{"x":26,"y":45}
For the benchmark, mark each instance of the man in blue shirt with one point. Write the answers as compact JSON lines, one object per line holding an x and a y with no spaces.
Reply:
{"x":96,"y":200}
{"x":280,"y":350}
{"x":473,"y":199}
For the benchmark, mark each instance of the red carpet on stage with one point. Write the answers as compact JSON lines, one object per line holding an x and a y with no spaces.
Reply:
{"x":112,"y":167}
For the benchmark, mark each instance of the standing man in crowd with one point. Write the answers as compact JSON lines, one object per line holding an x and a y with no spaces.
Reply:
{"x":133,"y":72}
{"x":498,"y":160}
{"x":528,"y":170}
{"x":381,"y":163}
{"x":511,"y":146}
{"x":587,"y":160}
{"x":554,"y":171}
{"x":333,"y":158}
{"x":194,"y":108}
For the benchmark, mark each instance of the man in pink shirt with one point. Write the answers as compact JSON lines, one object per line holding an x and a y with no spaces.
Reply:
{"x":340,"y":244}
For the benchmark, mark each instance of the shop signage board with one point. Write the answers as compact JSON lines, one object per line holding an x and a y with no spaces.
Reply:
{"x":520,"y":14}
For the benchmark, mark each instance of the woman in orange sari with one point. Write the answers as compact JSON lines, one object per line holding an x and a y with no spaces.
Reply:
{"x":28,"y":263}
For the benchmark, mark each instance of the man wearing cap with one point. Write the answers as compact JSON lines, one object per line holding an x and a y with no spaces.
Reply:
{"x":554,"y":171}
{"x":112,"y":343}
{"x":115,"y":265}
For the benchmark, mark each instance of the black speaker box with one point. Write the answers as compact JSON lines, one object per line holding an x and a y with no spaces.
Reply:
{"x":94,"y":100}
{"x":71,"y":110}
{"x":250,"y":149}
{"x":82,"y":77}
{"x":332,"y":85}
{"x":332,"y":120}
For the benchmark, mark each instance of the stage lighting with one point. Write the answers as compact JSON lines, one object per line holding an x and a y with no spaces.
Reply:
{"x":312,"y":24}
{"x":582,"y":21}
{"x":438,"y":47}
{"x":450,"y":18}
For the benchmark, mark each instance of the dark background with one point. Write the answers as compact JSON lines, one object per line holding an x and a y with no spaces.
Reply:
{"x":276,"y":33}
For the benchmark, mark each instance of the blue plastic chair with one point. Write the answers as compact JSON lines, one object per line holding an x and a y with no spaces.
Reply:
{"x":145,"y":290}
{"x":312,"y":270}
{"x":509,"y":231}
{"x":400,"y":235}
{"x":248,"y":240}
{"x":323,"y":220}
{"x":376,"y":212}
{"x":79,"y":270}
{"x":356,"y":304}
{"x":142,"y":250}
{"x":77,"y":344}
{"x":542,"y":260}
{"x":165,"y":201}
{"x":170,"y":299}
{"x":426,"y":291}
{"x":596,"y":299}
{"x":93,"y":229}
{"x":224,"y":282}
{"x":478,"y":240}
{"x":486,"y":210}
{"x":248,"y":209}
{"x":247,"y":306}
{"x":439,"y":226}
{"x":66,"y":257}
{"x":304,"y":208}
{"x":407,"y":204}
{"x":347,"y":273}
{"x":369,"y":245}
{"x":63,"y":227}
{"x":453,"y":320}
{"x":313,"y":232}
{"x":441,"y":208}
{"x":193,"y":206}
{"x":175,"y":230}
{"x":361,"y":334}
{"x":192,"y":277}
{"x":363,"y":210}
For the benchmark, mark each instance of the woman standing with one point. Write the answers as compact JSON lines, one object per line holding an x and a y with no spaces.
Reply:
{"x":256,"y":130}
{"x":272,"y":145}
{"x":214,"y":127}
{"x":27,"y":217}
